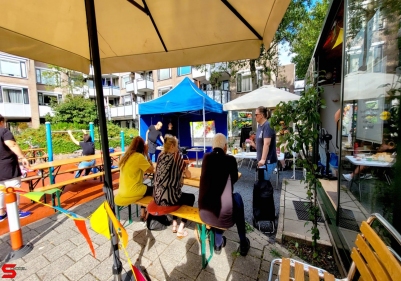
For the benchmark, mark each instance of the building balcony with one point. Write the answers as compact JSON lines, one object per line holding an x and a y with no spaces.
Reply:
{"x":45,"y":109}
{"x":144,"y":85}
{"x":130,"y":87}
{"x":111,"y":91}
{"x":121,"y":112}
{"x":15,"y":110}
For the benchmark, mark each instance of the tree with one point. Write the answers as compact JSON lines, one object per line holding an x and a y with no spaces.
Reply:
{"x":305,"y":115}
{"x":304,"y":43}
{"x":69,"y":81}
{"x":74,"y":109}
{"x":268,"y":59}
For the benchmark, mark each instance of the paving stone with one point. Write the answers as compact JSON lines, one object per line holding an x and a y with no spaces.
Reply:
{"x":190,"y":265}
{"x":153,"y":250}
{"x":31,"y":267}
{"x":178,"y":275}
{"x":81,"y":268}
{"x":90,"y":277}
{"x":207,"y":276}
{"x":161,"y":270}
{"x":234,"y":276}
{"x":248,"y":266}
{"x":263,"y":275}
{"x":176,"y":250}
{"x":56,"y":268}
{"x":59,"y":239}
{"x":103,"y":271}
{"x":79,"y":252}
{"x":59,"y":251}
{"x":38,"y":249}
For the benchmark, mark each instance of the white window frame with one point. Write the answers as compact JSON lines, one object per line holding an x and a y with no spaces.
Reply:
{"x":165,"y":69}
{"x":51,"y":94}
{"x":22,"y":67}
{"x":24,"y":94}
{"x":40,"y":81}
{"x":179,"y":70}
{"x":163,"y":90}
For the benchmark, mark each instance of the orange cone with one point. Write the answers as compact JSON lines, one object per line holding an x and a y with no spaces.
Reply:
{"x":18,"y":248}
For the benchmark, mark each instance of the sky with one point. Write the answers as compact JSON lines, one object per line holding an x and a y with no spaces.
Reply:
{"x":284,"y":56}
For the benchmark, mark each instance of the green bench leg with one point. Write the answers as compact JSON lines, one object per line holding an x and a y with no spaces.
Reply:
{"x":119,"y":208}
{"x":203,"y":236}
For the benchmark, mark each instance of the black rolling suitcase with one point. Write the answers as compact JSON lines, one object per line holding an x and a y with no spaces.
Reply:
{"x":263,"y":201}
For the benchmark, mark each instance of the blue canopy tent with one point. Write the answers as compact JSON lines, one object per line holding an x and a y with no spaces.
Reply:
{"x":183,"y":104}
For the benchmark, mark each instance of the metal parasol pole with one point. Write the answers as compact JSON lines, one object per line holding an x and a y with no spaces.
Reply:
{"x":108,"y":185}
{"x":204,"y":128}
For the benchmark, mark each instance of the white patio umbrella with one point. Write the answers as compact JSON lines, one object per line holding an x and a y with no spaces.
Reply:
{"x":368,"y":85}
{"x":120,"y":36}
{"x":267,"y":96}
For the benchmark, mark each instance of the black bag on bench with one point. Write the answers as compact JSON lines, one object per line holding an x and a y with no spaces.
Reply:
{"x":157,"y":222}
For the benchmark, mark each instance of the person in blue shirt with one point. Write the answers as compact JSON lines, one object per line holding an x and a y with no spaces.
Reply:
{"x":265,"y":142}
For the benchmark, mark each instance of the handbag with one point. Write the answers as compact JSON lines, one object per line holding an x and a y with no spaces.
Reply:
{"x":157,"y":222}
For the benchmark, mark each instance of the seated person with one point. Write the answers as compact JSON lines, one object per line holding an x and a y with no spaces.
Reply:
{"x":168,"y":181}
{"x":252,"y":144}
{"x":88,"y":148}
{"x":218,"y":205}
{"x":133,"y":165}
{"x":359,"y":169}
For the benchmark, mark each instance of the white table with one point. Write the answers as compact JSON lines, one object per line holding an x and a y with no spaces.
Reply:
{"x":373,"y":163}
{"x":252,"y":155}
{"x":195,"y":149}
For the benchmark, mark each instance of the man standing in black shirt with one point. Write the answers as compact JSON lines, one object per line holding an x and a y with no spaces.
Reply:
{"x":10,"y":176}
{"x":151,"y":138}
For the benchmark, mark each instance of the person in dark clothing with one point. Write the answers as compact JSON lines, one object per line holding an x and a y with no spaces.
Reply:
{"x":170,"y":130}
{"x":252,"y":144}
{"x":151,"y":139}
{"x":10,"y":176}
{"x":88,"y":148}
{"x":266,"y":153}
{"x":218,"y":205}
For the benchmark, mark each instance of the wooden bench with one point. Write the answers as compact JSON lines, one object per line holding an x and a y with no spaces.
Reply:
{"x":32,"y":181}
{"x":191,"y":214}
{"x":372,"y":259}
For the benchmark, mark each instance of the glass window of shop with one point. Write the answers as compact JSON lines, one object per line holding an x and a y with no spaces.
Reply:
{"x":371,"y":88}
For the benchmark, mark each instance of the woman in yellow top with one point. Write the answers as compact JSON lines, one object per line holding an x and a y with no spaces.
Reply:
{"x":133,"y":165}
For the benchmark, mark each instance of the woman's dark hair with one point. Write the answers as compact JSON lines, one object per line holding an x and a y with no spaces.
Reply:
{"x":264,"y":111}
{"x":87,"y":138}
{"x":137,"y":145}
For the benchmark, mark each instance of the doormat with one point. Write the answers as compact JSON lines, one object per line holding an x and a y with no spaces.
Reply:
{"x":301,"y":208}
{"x":347,"y":220}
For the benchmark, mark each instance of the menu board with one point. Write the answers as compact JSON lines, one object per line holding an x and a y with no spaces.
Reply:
{"x":369,"y":125}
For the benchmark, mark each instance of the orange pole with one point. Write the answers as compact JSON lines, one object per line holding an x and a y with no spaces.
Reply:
{"x":13,"y":219}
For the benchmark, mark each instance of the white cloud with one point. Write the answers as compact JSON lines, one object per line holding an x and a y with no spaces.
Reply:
{"x":284,"y":54}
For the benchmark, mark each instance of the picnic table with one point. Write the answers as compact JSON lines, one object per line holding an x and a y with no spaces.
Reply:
{"x":33,"y":154}
{"x":57,"y":164}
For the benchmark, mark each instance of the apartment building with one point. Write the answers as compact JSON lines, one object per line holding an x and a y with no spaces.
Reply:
{"x":25,"y":95}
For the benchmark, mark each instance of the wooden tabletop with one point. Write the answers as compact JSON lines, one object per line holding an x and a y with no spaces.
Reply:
{"x":61,"y":162}
{"x":33,"y":149}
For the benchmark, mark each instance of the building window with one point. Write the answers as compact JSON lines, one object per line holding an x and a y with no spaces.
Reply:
{"x":90,"y":83}
{"x":127,"y":100}
{"x":1,"y":96}
{"x":46,"y":76}
{"x":16,"y":95}
{"x":259,"y":76}
{"x":183,"y":70}
{"x":149,"y":97}
{"x":163,"y":91}
{"x":47,"y":98}
{"x":164,"y":74}
{"x":13,"y":68}
{"x":125,"y":80}
{"x":246,"y":83}
{"x":225,"y":85}
{"x":110,"y":82}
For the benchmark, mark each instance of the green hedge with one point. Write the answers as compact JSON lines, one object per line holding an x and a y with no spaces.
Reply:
{"x":62,"y":143}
